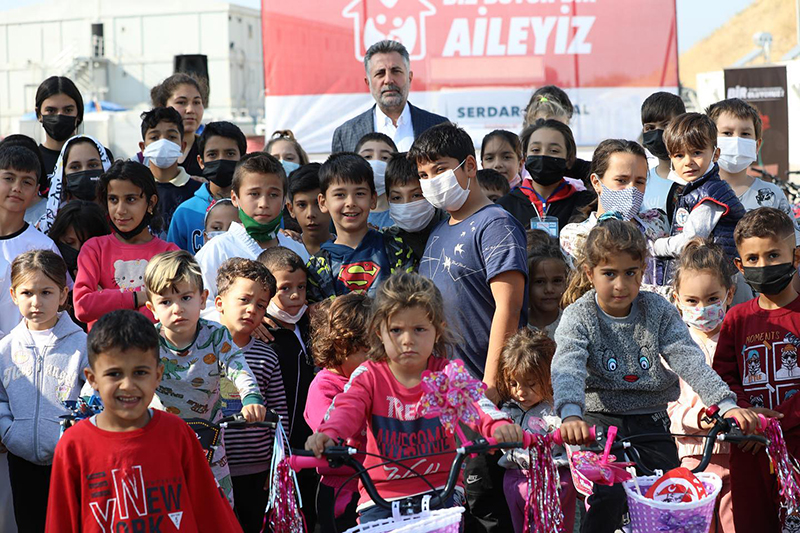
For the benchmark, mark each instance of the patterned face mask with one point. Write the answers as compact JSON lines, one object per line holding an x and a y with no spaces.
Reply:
{"x":706,"y":318}
{"x":626,"y":202}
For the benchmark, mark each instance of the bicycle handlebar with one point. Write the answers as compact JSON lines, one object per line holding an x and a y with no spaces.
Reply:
{"x":558,"y":439}
{"x":238,"y":421}
{"x":337,"y":456}
{"x":724,"y":429}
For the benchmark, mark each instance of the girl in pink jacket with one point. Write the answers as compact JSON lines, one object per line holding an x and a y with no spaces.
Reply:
{"x":410,"y":337}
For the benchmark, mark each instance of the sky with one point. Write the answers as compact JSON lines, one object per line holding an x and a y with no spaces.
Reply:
{"x":696,"y":18}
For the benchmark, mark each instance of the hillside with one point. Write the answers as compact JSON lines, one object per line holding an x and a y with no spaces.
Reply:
{"x":735,"y":39}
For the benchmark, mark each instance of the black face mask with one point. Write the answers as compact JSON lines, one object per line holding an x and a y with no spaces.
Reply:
{"x":770,"y":279}
{"x":70,"y":257}
{"x":653,"y":140}
{"x":83,"y":184}
{"x":545,"y":170}
{"x":128,"y":235}
{"x":59,"y":127}
{"x":220,"y":172}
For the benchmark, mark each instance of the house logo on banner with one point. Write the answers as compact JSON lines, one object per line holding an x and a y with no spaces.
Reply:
{"x":397,"y":20}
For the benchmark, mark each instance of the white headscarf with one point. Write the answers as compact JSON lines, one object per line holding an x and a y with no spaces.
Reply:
{"x":57,"y":181}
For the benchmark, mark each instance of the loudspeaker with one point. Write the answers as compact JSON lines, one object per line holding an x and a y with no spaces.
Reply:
{"x":196,"y":64}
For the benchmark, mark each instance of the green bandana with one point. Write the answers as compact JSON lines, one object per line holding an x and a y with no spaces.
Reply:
{"x":260,"y":232}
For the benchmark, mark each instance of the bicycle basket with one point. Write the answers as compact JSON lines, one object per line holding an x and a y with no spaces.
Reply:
{"x":439,"y":521}
{"x":650,"y":515}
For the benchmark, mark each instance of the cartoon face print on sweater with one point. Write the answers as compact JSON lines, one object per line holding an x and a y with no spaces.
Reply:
{"x":754,"y":365}
{"x":129,"y":275}
{"x":791,"y":524}
{"x":788,"y":355}
{"x":630,"y":371}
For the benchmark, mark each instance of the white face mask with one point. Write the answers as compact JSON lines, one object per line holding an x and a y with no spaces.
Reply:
{"x":163,"y":153}
{"x":379,"y":171}
{"x":412,"y":216}
{"x":283,"y":316}
{"x":736,"y":153}
{"x":211,"y":234}
{"x":443,"y":190}
{"x":706,"y":318}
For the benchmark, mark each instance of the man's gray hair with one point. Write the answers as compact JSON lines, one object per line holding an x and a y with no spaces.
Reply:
{"x":386,"y":47}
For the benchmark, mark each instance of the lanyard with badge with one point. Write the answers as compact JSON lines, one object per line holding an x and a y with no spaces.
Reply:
{"x":542,"y":220}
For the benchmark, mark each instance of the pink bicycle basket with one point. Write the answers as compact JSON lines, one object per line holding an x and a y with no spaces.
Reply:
{"x":649,"y":515}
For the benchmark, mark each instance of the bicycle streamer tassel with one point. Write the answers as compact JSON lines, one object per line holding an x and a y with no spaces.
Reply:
{"x":451,"y":394}
{"x":788,"y":477}
{"x":284,"y":495}
{"x":543,"y":509}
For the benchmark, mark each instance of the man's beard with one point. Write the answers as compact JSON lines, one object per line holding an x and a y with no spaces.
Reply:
{"x":392,"y":96}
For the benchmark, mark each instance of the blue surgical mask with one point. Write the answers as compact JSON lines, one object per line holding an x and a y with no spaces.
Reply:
{"x":289,"y":166}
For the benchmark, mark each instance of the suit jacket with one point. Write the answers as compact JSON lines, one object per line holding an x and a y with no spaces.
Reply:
{"x":346,"y":136}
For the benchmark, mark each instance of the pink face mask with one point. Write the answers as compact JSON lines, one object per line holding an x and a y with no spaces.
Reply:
{"x":706,"y":318}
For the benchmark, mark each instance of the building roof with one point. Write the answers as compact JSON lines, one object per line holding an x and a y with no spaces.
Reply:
{"x":61,"y":10}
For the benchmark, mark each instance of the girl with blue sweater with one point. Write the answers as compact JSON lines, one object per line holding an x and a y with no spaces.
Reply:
{"x":608,"y":370}
{"x":41,"y":365}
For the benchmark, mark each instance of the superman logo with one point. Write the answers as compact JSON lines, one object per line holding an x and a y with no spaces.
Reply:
{"x":359,"y":277}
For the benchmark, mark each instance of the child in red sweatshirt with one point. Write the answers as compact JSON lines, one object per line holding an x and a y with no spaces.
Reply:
{"x":757,"y":357}
{"x":383,"y":392}
{"x":132,"y":468}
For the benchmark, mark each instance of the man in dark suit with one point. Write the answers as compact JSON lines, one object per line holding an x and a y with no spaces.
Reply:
{"x":389,"y":79}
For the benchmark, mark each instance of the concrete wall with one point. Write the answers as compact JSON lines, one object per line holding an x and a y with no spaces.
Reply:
{"x":141,"y":39}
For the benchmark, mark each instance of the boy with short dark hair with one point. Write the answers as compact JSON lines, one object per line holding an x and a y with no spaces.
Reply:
{"x":196,"y":353}
{"x":303,"y":206}
{"x":478,"y":260}
{"x":128,"y":445}
{"x":707,"y":205}
{"x":360,"y":258}
{"x":258,"y":190}
{"x":757,"y":357}
{"x":493,"y":184}
{"x":291,"y":338}
{"x":220,"y":146}
{"x":376,"y":148}
{"x":244,"y":289}
{"x":739,"y":140}
{"x":662,"y":191}
{"x":19,"y":186}
{"x":414,"y":216}
{"x":376,"y":145}
{"x":162,"y":145}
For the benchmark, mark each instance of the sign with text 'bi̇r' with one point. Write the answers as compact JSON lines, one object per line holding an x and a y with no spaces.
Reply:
{"x":475,"y":61}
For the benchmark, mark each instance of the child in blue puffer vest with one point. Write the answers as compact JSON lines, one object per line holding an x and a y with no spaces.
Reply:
{"x":707,"y":207}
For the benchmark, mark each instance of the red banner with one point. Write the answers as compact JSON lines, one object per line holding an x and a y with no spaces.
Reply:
{"x":314,"y":47}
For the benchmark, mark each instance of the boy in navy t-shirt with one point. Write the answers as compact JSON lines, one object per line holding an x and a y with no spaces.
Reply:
{"x":478,"y":257}
{"x":360,"y":258}
{"x":478,"y":260}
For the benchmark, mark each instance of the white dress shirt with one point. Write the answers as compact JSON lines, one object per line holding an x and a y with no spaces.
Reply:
{"x":402,"y":134}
